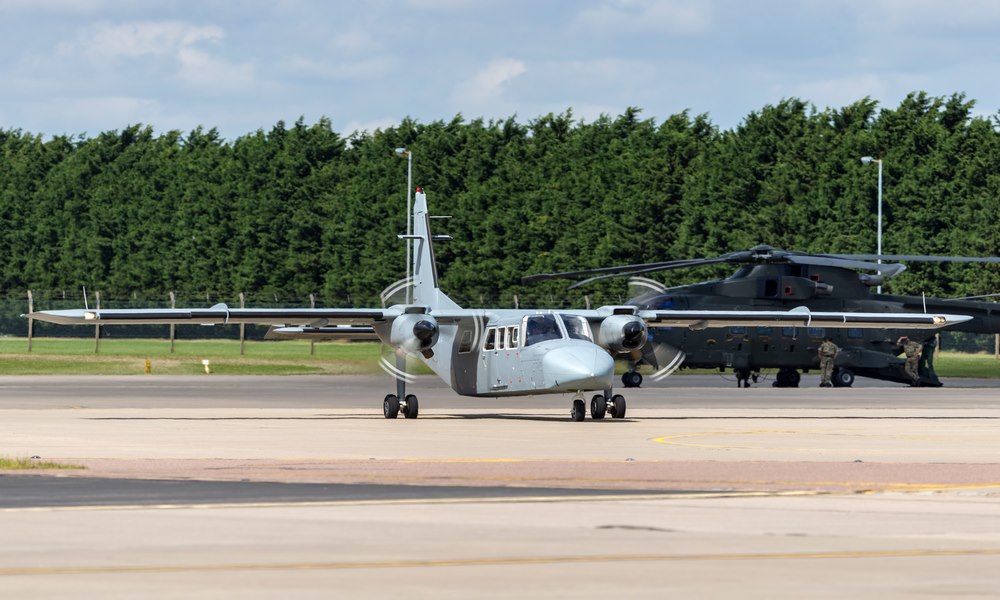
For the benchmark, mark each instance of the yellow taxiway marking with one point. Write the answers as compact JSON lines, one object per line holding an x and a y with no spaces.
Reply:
{"x":497,"y":561}
{"x":678,"y":440}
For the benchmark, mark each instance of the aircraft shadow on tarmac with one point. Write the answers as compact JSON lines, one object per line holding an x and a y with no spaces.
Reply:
{"x":560,"y":417}
{"x":364,"y":416}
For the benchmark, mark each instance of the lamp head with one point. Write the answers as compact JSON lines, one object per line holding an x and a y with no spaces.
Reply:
{"x":401,"y":152}
{"x":865,"y":160}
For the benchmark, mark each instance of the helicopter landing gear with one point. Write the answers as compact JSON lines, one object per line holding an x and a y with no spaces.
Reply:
{"x":787,"y":378}
{"x":842,"y":378}
{"x":632,"y":379}
{"x":579,"y":411}
{"x":743,"y":377}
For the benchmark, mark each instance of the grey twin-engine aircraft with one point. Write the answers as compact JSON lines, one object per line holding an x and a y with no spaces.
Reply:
{"x":487,"y":352}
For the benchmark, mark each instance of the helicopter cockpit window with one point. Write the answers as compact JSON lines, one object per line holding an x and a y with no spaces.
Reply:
{"x":577,"y":327}
{"x":540,"y":328}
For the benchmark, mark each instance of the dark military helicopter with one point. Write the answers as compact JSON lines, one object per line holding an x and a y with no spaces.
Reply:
{"x":772,"y":279}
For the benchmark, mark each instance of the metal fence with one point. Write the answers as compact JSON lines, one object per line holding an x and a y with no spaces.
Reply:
{"x":13,"y":304}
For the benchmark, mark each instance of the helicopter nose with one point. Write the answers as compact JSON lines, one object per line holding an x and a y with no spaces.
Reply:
{"x":578,"y":367}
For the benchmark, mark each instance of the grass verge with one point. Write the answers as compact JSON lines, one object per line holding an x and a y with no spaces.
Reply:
{"x":25,"y":464}
{"x":76,"y":356}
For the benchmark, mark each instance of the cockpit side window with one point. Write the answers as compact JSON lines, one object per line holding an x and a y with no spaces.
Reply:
{"x":576,"y":327}
{"x":539,"y":328}
{"x":490,"y":341}
{"x":512,"y":337}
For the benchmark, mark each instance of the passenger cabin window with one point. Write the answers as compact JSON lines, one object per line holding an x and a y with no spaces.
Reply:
{"x":855,"y":333}
{"x":512,"y":336}
{"x":540,"y":328}
{"x":816,"y":332}
{"x":738,"y":330}
{"x":576,"y":327}
{"x":788,"y":332}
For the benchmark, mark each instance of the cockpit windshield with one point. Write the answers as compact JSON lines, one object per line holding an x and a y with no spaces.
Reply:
{"x":540,"y":328}
{"x":577,"y":327}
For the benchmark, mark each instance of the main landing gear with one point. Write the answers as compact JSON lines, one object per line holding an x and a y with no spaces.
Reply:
{"x":392,"y":405}
{"x":600,"y":406}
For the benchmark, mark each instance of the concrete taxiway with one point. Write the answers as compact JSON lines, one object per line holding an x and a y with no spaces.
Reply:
{"x":296,"y":486}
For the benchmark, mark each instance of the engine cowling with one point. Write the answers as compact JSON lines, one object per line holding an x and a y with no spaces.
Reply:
{"x":622,"y":333}
{"x":414,"y":333}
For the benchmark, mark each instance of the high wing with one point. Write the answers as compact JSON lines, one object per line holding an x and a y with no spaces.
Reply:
{"x":797,"y":317}
{"x":220,"y":314}
{"x":328,"y":319}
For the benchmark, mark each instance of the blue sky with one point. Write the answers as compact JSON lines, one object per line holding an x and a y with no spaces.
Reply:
{"x":86,"y":66}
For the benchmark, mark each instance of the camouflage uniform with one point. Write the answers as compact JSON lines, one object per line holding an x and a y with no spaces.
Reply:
{"x":913,"y":351}
{"x":827,"y":352}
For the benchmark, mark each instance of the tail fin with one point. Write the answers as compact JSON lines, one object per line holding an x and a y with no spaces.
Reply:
{"x":425,"y":278}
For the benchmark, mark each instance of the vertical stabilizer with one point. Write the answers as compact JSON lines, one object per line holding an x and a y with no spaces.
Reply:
{"x":425,"y":277}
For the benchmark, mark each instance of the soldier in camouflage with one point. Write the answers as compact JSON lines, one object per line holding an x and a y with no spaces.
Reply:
{"x":827,"y":353}
{"x":913,"y":350}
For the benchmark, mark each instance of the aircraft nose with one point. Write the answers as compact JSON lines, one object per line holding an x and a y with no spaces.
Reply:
{"x":578,"y":367}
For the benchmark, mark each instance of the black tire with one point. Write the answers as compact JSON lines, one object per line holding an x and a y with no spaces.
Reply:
{"x":618,"y":406}
{"x":598,"y":407}
{"x":412,"y":407}
{"x":579,"y":411}
{"x":632,"y":379}
{"x":843,"y":378}
{"x":390,"y":406}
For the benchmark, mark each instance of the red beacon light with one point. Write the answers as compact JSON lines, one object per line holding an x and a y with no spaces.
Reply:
{"x":419,"y":190}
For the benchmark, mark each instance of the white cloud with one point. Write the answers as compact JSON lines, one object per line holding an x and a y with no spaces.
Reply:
{"x":336,"y":69}
{"x":629,"y":16}
{"x":146,"y":38}
{"x":488,"y":84}
{"x":210,"y":73}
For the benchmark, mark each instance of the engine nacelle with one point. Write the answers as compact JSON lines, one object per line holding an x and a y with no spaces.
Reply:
{"x":622,"y":333}
{"x":414,"y":333}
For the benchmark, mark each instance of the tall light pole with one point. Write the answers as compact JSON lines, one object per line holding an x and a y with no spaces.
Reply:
{"x":867,"y":160}
{"x":401,"y":152}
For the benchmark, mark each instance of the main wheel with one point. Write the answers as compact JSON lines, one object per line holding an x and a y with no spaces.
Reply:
{"x":579,"y":411}
{"x":618,"y":406}
{"x":598,"y":407}
{"x":412,"y":407}
{"x":631,"y":379}
{"x":793,"y":378}
{"x":842,"y":378}
{"x":390,"y":406}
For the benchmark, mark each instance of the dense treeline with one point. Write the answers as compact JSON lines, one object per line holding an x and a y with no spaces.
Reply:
{"x":302,"y":209}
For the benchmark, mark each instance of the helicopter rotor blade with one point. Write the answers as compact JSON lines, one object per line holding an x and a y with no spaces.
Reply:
{"x":623,"y":270}
{"x":921,"y":258}
{"x":652,"y":269}
{"x":887,"y":269}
